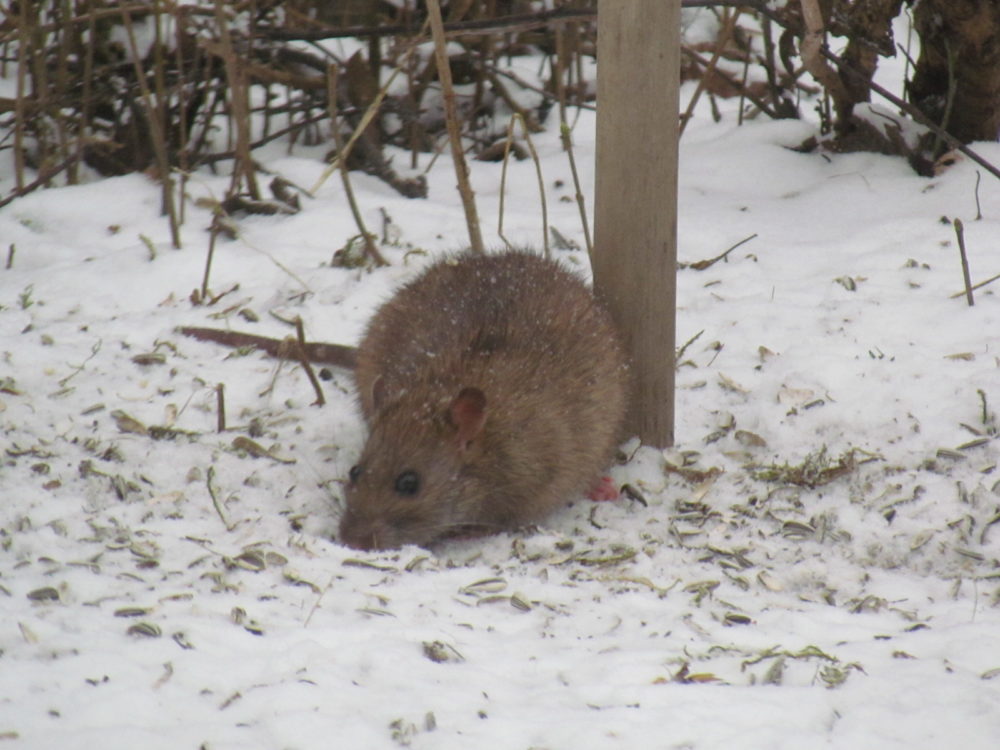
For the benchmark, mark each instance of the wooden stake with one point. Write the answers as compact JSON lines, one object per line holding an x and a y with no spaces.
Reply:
{"x":635,"y":219}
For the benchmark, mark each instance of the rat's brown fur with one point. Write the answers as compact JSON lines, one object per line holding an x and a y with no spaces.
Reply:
{"x":495,"y":388}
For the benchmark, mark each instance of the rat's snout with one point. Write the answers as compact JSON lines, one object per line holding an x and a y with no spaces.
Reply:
{"x":364,"y":533}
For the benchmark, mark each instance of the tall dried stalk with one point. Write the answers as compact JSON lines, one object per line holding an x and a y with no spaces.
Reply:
{"x":371,"y":249}
{"x":157,"y":135}
{"x":239,"y":107}
{"x":454,"y":131}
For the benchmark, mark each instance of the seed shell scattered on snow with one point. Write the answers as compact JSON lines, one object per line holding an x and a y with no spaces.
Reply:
{"x":44,"y":594}
{"x":441,"y":653}
{"x":484,"y":586}
{"x":353,"y":562}
{"x":132,"y":611}
{"x":144,"y":630}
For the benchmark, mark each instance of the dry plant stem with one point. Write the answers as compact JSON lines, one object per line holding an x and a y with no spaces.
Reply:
{"x":541,"y":187}
{"x":210,"y":475}
{"x":454,"y":132}
{"x":743,"y":90}
{"x":86,"y":105}
{"x":720,"y":44}
{"x":960,"y":233}
{"x":240,"y":108}
{"x":567,"y":143}
{"x":371,"y":250}
{"x":541,"y":184}
{"x":338,"y":355}
{"x":10,"y":256}
{"x":19,"y":103}
{"x":560,"y":70}
{"x":220,"y":403}
{"x":503,"y":182}
{"x":156,"y":134}
{"x":811,"y":50}
{"x":300,"y":350}
{"x":213,"y":233}
{"x":701,"y":265}
{"x":979,"y":208}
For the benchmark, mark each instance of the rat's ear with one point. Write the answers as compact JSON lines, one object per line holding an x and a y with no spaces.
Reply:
{"x":467,"y":414}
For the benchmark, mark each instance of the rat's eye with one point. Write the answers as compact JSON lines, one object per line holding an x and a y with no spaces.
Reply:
{"x":408,"y":483}
{"x":354,"y":474}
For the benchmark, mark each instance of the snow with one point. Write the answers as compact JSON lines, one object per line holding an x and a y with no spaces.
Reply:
{"x":726,"y":612}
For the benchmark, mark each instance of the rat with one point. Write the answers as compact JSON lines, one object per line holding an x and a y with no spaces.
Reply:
{"x":494,"y":386}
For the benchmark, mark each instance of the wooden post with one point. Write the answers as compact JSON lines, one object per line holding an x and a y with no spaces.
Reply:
{"x":635,"y":216}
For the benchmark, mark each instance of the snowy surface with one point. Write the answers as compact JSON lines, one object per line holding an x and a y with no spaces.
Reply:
{"x":728,"y":611}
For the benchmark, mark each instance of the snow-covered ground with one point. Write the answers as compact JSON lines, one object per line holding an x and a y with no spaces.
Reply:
{"x":166,"y":589}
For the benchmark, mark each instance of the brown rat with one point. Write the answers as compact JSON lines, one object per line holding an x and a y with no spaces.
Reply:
{"x":494,"y":387}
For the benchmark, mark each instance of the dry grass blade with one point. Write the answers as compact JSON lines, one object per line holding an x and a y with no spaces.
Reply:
{"x":960,"y":233}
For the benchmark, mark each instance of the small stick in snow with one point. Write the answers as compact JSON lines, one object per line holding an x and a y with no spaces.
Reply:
{"x":979,"y":208}
{"x":960,"y":232}
{"x":210,"y":475}
{"x":220,"y":399}
{"x":515,"y":118}
{"x":300,"y":350}
{"x":321,"y":353}
{"x":701,"y":265}
{"x":213,"y":233}
{"x":10,"y":256}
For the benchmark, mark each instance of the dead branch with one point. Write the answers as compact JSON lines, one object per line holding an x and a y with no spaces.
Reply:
{"x":337,"y":355}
